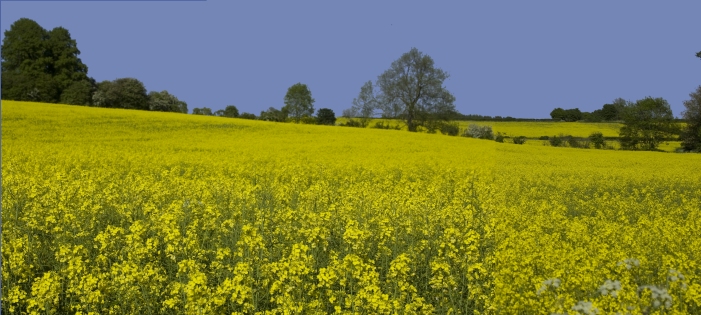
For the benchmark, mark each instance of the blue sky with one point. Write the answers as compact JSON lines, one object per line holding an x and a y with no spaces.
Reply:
{"x":508,"y":58}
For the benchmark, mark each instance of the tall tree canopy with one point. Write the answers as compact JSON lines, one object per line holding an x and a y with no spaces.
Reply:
{"x":648,"y":122}
{"x":41,"y":65}
{"x":166,"y":102}
{"x":299,"y":102}
{"x":414,"y":86}
{"x":126,"y":93}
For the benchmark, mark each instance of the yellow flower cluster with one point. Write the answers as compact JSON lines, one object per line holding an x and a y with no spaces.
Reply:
{"x":109,"y":211}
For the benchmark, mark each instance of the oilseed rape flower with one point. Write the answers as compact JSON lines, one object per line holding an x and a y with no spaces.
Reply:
{"x":109,"y":211}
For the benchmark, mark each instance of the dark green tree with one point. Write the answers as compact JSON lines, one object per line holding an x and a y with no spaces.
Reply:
{"x":165,"y":102}
{"x":230,"y":111}
{"x":79,"y":92}
{"x":325,"y":116}
{"x":273,"y":114}
{"x":39,"y":65}
{"x":64,"y":67}
{"x":691,"y":135}
{"x":25,"y":64}
{"x":206,"y":111}
{"x":609,"y":112}
{"x":245,"y":115}
{"x":648,"y":122}
{"x":365,"y":105}
{"x":557,"y":114}
{"x":299,"y":102}
{"x":698,"y":54}
{"x":128,"y":93}
{"x":414,"y":85}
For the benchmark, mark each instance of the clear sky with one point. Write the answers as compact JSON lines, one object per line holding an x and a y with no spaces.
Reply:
{"x":509,"y":58}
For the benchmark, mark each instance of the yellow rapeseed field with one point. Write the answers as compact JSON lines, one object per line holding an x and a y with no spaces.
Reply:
{"x":109,"y":211}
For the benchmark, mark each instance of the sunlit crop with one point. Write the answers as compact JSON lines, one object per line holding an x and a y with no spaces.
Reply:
{"x":126,"y":212}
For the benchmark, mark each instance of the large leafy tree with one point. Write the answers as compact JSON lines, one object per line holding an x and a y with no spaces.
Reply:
{"x":648,"y":122}
{"x":412,"y":88}
{"x":230,"y":111}
{"x":166,"y":102}
{"x":325,"y":116}
{"x":691,"y":135}
{"x":126,"y":93}
{"x":299,"y":102}
{"x":40,"y":65}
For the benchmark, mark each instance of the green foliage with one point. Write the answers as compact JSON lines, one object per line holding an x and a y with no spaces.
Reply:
{"x":40,"y":65}
{"x":573,"y":114}
{"x":480,"y":132}
{"x":245,"y":115}
{"x":274,"y":114}
{"x":543,"y":138}
{"x":126,"y":93}
{"x":597,"y":138}
{"x":691,"y":135}
{"x":298,"y":102}
{"x":79,"y":93}
{"x":382,"y":125}
{"x":229,"y":111}
{"x":352,"y":123}
{"x":308,"y":120}
{"x":499,"y":137}
{"x":519,"y":140}
{"x":412,"y":88}
{"x":556,"y":141}
{"x":206,"y":111}
{"x":647,"y":123}
{"x":451,"y":129}
{"x":325,"y":116}
{"x":166,"y":102}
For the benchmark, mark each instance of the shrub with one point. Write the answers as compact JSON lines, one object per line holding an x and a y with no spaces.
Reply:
{"x":597,"y":138}
{"x":308,"y":120}
{"x":499,"y":137}
{"x":382,"y":125}
{"x":451,"y":129}
{"x":519,"y":140}
{"x":352,"y":123}
{"x":481,"y":132}
{"x":543,"y":138}
{"x":556,"y":141}
{"x":247,"y":116}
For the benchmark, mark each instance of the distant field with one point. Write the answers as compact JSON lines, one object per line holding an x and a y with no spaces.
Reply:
{"x":532,"y":129}
{"x":108,"y":211}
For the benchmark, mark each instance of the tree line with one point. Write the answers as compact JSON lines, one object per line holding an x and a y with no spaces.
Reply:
{"x":43,"y":66}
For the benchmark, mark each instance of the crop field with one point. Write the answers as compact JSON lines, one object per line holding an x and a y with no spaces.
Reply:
{"x":528,"y":129}
{"x":108,"y":211}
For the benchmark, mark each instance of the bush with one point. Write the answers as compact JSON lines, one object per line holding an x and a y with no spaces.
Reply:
{"x":499,"y":137}
{"x":480,"y":132}
{"x":597,"y":138}
{"x":451,"y":129}
{"x":544,"y":138}
{"x":557,"y":141}
{"x":247,"y":116}
{"x":382,"y":125}
{"x":308,"y":120}
{"x":520,"y":140}
{"x":352,"y":123}
{"x":325,"y":116}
